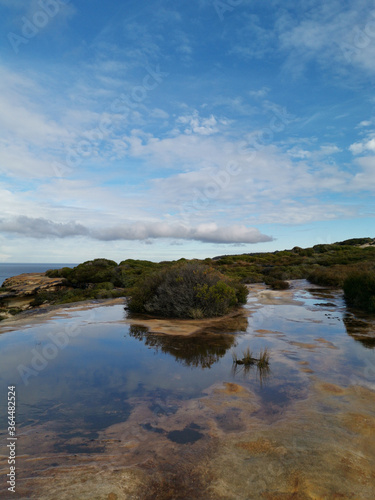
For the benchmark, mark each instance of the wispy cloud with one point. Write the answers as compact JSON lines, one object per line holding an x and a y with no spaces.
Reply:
{"x":331,"y":35}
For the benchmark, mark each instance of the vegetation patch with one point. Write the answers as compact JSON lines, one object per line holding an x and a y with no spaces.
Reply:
{"x":65,"y":296}
{"x":188,"y":290}
{"x":359,"y":290}
{"x":247,"y":358}
{"x":154,"y":287}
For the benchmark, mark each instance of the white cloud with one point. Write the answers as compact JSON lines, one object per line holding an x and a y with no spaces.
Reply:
{"x":18,"y":160}
{"x":360,"y":147}
{"x":364,"y":123}
{"x":207,"y":233}
{"x":194,"y":124}
{"x":364,"y":179}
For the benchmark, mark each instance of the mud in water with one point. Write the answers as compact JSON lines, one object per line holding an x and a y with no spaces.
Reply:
{"x":121,"y":412}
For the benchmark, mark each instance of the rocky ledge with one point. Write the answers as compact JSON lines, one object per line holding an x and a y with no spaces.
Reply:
{"x":17,"y":293}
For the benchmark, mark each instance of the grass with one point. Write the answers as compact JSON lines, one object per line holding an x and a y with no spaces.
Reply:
{"x":264,"y":358}
{"x":248,"y":359}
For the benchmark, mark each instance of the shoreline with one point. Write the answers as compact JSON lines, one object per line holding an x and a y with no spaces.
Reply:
{"x":233,"y":321}
{"x":166,"y":326}
{"x":45,"y":312}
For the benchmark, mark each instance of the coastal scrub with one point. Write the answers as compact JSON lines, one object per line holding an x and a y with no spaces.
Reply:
{"x":188,"y":290}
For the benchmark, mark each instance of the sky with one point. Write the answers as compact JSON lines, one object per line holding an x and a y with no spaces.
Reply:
{"x":159,"y":130}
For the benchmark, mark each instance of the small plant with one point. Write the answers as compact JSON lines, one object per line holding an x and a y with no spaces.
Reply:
{"x":196,"y":313}
{"x":15,"y":310}
{"x":248,"y":360}
{"x":247,"y":357}
{"x":264,"y":358}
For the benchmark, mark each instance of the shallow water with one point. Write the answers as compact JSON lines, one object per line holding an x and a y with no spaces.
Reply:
{"x":113,"y":411}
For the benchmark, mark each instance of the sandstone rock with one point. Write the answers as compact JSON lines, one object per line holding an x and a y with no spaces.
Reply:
{"x":31,"y":283}
{"x":18,"y":292}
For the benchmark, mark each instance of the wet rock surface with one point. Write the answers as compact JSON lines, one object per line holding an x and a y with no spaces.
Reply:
{"x":156,"y":419}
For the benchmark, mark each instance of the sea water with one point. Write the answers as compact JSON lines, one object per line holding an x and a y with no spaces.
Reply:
{"x":7,"y":270}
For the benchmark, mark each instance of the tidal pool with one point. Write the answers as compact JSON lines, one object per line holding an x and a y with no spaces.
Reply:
{"x":108,"y":410}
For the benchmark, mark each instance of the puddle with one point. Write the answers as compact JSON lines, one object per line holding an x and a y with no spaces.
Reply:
{"x":113,"y":408}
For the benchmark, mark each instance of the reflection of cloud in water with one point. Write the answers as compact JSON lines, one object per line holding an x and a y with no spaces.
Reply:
{"x":361,"y":330}
{"x":194,"y":350}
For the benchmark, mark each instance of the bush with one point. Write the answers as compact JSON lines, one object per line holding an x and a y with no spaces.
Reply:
{"x":359,"y":290}
{"x":65,"y":296}
{"x":65,"y":272}
{"x":188,"y":290}
{"x":330,"y":276}
{"x":279,"y":285}
{"x":92,"y":271}
{"x":15,"y":310}
{"x":130,"y":271}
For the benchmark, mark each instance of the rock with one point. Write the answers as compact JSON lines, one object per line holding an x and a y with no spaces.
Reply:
{"x":31,"y":283}
{"x":18,"y":292}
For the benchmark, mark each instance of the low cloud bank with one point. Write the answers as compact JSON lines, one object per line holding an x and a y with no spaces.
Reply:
{"x":207,"y":233}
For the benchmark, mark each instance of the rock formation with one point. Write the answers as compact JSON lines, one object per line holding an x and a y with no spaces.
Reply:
{"x":18,"y":292}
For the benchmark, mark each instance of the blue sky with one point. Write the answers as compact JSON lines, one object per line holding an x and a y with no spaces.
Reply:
{"x":163,"y":129}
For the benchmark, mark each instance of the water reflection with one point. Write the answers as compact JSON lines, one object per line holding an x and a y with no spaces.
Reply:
{"x":263,"y":373}
{"x":121,"y":405}
{"x":361,"y":330}
{"x":359,"y":326}
{"x":194,"y":350}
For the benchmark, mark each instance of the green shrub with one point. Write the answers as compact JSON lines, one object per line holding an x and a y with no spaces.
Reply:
{"x":187,"y":290}
{"x":42,"y":297}
{"x":91,"y":271}
{"x":328,"y":276}
{"x":131,"y":271}
{"x":279,"y":285}
{"x":359,"y":290}
{"x":107,"y":285}
{"x":65,"y":272}
{"x":15,"y":310}
{"x":356,"y":241}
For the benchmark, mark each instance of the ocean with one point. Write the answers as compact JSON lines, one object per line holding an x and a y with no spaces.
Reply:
{"x":9,"y":270}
